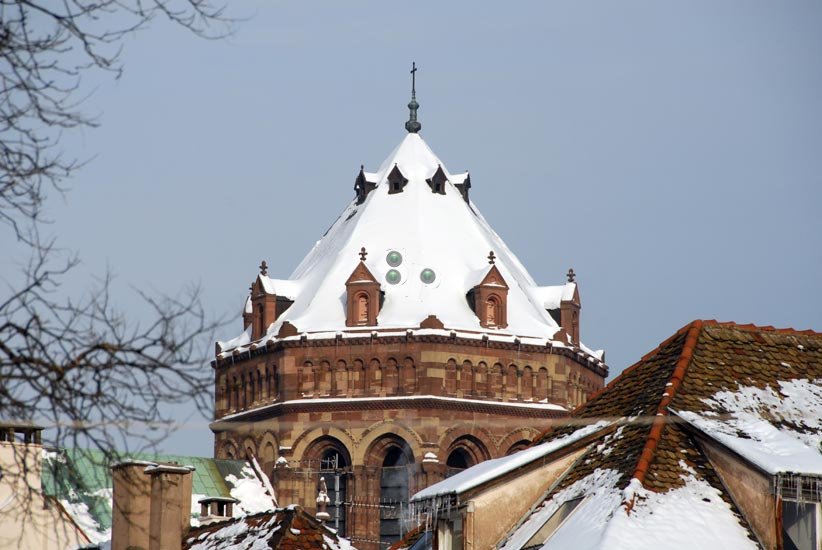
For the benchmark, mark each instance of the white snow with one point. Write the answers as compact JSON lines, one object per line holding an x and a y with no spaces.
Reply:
{"x":741,"y":420}
{"x":692,"y":516}
{"x":280,"y":287}
{"x":439,"y":232}
{"x":250,"y":492}
{"x":491,"y":469}
{"x":79,"y":512}
{"x":325,"y":400}
{"x":551,"y":297}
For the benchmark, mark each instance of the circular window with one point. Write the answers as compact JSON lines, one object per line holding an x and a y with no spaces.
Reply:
{"x":394,"y":258}
{"x":428,"y":276}
{"x":393,"y":276}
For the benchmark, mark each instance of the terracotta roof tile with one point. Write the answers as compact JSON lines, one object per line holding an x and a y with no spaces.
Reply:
{"x":701,"y":359}
{"x":285,"y":529}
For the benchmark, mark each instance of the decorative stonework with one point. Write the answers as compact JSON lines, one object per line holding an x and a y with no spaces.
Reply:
{"x":490,"y":300}
{"x":362,"y":298}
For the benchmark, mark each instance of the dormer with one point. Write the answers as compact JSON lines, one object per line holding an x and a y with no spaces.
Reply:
{"x":563,"y":304}
{"x":396,"y":181}
{"x":263,"y":308}
{"x":489,"y":299}
{"x":464,"y":187}
{"x":362,"y":185}
{"x":248,"y":312}
{"x":569,"y":312}
{"x":269,"y":299}
{"x":437,"y":181}
{"x":362,"y":298}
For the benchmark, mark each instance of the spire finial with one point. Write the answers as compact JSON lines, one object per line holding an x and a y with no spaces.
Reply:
{"x":492,"y":257}
{"x":263,"y":268}
{"x":363,"y":254}
{"x":571,"y":275}
{"x":412,"y":125}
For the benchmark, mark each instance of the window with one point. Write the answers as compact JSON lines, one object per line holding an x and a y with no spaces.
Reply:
{"x":554,"y":522}
{"x":801,"y":525}
{"x":457,"y":461}
{"x":362,"y":309}
{"x":333,"y":467}
{"x":449,"y":534}
{"x":491,"y":311}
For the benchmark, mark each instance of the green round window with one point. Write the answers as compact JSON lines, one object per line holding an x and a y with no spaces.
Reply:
{"x":394,"y":258}
{"x":427,"y":276}
{"x":393,"y":276}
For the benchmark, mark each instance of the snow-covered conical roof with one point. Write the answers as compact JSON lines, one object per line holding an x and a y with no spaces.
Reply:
{"x":440,"y":232}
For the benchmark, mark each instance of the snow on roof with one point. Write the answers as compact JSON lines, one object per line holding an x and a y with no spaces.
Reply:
{"x":250,"y":493}
{"x":492,"y":469}
{"x":551,"y":297}
{"x":756,"y":423}
{"x":249,"y":307}
{"x":242,"y":340}
{"x":280,"y":287}
{"x":284,"y":528}
{"x":692,"y":516}
{"x":431,"y":231}
{"x":458,"y":179}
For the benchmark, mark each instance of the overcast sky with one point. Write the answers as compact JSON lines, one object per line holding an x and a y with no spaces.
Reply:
{"x":670,"y":152}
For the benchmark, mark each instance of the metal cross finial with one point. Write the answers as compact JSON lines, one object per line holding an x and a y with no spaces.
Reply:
{"x":363,"y":254}
{"x":571,"y":275}
{"x":491,"y":257}
{"x":264,"y":268}
{"x":412,"y":125}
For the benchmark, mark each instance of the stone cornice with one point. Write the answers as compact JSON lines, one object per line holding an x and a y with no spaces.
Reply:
{"x":319,"y":404}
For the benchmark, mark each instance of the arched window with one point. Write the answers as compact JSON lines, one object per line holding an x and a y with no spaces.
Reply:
{"x":236,"y":388}
{"x":492,"y":311}
{"x":334,"y":467}
{"x":458,"y":460}
{"x":518,"y":446}
{"x":394,"y":495}
{"x":362,"y":309}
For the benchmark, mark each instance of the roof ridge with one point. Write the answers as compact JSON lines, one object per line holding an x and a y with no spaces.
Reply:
{"x":636,"y":365}
{"x":646,"y":456}
{"x":765,"y":328}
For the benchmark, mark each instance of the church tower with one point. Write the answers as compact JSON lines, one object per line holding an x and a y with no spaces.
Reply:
{"x":410,"y":343}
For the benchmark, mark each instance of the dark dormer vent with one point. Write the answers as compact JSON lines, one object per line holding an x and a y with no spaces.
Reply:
{"x":437,"y":181}
{"x":464,"y":187}
{"x":362,"y":186}
{"x":396,"y":181}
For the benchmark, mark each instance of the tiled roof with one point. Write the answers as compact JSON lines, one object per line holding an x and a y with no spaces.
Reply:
{"x":701,"y":359}
{"x":284,"y":529}
{"x":655,"y":448}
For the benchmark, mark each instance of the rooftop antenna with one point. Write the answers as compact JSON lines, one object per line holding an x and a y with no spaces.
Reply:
{"x":412,"y":125}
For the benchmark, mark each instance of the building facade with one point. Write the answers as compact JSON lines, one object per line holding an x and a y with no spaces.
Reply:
{"x":409,"y":344}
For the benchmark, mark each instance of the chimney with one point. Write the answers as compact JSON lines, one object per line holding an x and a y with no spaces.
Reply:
{"x":130,"y":508}
{"x":152,"y":505}
{"x":213,"y":509}
{"x":170,"y":506}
